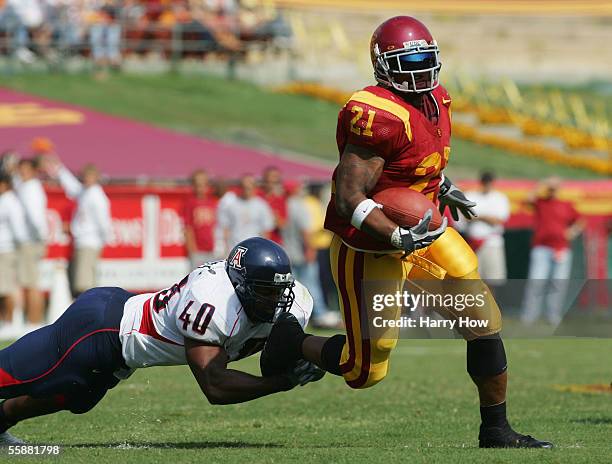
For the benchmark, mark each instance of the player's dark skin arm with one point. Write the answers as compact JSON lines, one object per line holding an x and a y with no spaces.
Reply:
{"x":227,"y":386}
{"x":357,"y":174}
{"x":25,"y":407}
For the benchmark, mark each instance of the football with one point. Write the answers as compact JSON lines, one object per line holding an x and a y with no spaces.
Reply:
{"x":407,"y":207}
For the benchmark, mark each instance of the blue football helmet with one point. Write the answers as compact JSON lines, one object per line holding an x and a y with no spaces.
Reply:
{"x":260,"y":272}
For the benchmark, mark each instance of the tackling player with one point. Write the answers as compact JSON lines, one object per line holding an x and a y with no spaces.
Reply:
{"x":397,"y":134}
{"x":219,"y":313}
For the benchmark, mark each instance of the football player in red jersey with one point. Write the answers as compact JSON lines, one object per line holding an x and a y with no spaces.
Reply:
{"x":397,"y":134}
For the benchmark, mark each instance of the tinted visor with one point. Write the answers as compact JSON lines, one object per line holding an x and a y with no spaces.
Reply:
{"x":412,"y":62}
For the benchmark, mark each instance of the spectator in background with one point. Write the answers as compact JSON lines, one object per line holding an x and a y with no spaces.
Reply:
{"x":141,"y":21}
{"x":214,"y":21}
{"x":226,"y":194}
{"x":273,"y":192}
{"x":320,"y":240}
{"x":105,"y":35}
{"x":65,"y":20}
{"x":28,"y":28}
{"x":485,"y":233}
{"x":13,"y":234}
{"x":8,"y":162}
{"x":91,"y":222}
{"x":261,"y":21}
{"x":298,"y":242}
{"x":295,"y":235}
{"x":33,"y":198}
{"x":200,"y":220}
{"x":556,"y":224}
{"x":243,"y":215}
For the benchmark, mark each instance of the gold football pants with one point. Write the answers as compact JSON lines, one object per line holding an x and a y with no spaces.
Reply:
{"x":357,"y":275}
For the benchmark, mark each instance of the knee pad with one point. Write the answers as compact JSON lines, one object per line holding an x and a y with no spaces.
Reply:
{"x":331,"y":353}
{"x":486,"y":357}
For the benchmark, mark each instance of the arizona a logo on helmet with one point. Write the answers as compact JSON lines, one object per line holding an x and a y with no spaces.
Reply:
{"x":236,"y":259}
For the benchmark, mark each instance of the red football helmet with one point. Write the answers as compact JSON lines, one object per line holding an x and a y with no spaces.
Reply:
{"x":405,"y":56}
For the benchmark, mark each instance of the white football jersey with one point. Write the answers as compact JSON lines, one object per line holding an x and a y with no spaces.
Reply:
{"x":203,"y":306}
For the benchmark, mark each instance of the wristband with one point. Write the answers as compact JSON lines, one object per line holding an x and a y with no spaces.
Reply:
{"x":396,"y":238}
{"x":361,"y":212}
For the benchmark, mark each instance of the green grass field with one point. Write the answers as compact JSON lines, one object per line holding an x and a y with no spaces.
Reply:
{"x":242,"y":113}
{"x":425,"y":411}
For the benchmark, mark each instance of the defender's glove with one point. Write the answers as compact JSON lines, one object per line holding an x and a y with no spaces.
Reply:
{"x":455,"y":199}
{"x":418,"y":236}
{"x":304,"y":372}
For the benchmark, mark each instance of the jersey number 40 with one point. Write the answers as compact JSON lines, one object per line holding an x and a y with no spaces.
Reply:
{"x":202,"y":318}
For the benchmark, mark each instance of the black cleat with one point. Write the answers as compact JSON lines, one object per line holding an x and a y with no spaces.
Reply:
{"x":283,"y":346}
{"x":505,"y":437}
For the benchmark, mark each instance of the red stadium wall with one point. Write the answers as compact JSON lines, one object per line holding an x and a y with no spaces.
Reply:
{"x":147,"y":247}
{"x":128,"y":209}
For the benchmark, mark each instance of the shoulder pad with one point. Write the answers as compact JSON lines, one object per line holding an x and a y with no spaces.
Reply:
{"x":391,"y":112}
{"x":302,"y":305}
{"x":443,"y":96}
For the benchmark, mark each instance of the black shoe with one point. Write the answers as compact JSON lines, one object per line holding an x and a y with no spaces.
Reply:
{"x":283,"y":347}
{"x":505,"y":437}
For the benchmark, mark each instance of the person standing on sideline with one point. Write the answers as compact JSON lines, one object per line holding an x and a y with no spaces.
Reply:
{"x":200,"y":220}
{"x":13,"y":233}
{"x":297,"y":241}
{"x":91,"y":222}
{"x":273,"y":191}
{"x":485,"y":233}
{"x":33,"y":198}
{"x":321,"y":238}
{"x":556,"y":224}
{"x":243,"y":215}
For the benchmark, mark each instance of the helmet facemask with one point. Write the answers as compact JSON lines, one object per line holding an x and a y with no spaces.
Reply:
{"x":413,"y":69}
{"x":264,"y":301}
{"x":260,"y":272}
